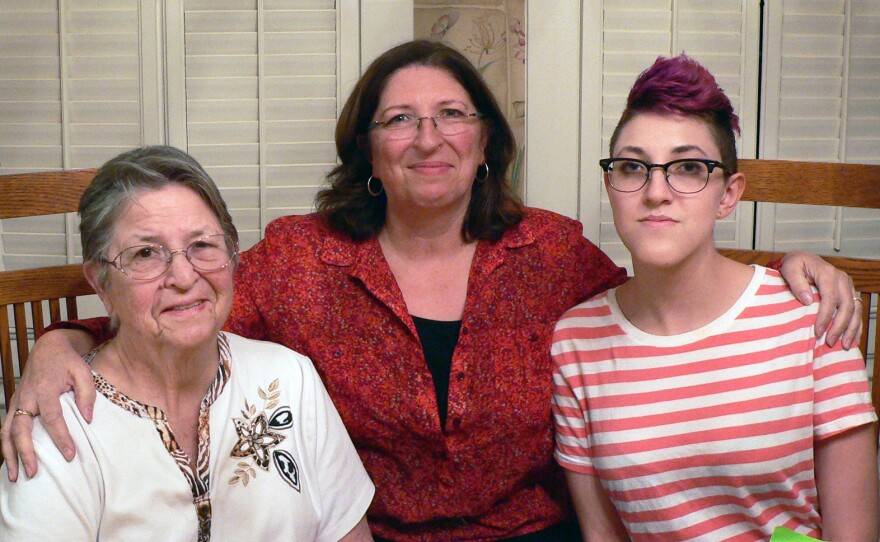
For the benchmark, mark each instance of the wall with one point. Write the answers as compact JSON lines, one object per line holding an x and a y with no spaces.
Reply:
{"x":492,"y":35}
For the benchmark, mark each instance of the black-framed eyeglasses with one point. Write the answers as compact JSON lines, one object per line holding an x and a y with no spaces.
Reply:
{"x":148,"y":261}
{"x":448,"y":122}
{"x":685,"y":175}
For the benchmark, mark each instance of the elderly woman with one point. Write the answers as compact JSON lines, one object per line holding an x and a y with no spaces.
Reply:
{"x":197,"y":433}
{"x":426,"y":296}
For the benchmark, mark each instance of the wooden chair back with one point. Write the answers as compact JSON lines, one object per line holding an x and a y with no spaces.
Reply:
{"x":821,"y":183}
{"x":28,"y":195}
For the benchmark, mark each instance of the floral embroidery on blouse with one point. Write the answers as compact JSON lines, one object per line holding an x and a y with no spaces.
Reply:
{"x":200,"y":480}
{"x":257,"y":438}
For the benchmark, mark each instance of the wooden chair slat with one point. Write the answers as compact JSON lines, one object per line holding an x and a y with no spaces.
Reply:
{"x":37,"y":317}
{"x":72,"y":310}
{"x":866,"y":317}
{"x":54,"y":310}
{"x":43,"y":193}
{"x":44,"y":283}
{"x":21,"y":333}
{"x":814,"y":183}
{"x":6,"y":354}
{"x":28,"y":195}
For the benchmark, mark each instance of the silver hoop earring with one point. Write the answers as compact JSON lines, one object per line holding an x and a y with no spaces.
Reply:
{"x":371,"y":190}
{"x":483,"y":177}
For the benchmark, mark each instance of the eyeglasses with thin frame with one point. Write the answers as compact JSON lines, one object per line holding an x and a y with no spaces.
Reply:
{"x":685,"y":175}
{"x":448,"y":122}
{"x":149,"y":261}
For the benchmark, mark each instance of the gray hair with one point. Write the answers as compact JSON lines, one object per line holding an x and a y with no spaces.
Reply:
{"x":122,"y":178}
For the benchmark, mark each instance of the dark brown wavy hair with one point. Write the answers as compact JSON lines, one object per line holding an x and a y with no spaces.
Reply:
{"x":348,"y":206}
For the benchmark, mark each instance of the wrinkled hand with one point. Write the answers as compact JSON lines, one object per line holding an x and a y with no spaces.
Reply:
{"x":53,"y":368}
{"x":800,"y":269}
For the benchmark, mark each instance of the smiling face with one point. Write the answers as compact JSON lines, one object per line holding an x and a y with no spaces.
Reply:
{"x":430,"y":171}
{"x":659,"y":226}
{"x":184,"y":307}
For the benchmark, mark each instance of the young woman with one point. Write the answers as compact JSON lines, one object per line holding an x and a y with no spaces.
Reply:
{"x":693,"y":402}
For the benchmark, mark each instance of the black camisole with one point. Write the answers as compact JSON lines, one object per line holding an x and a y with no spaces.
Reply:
{"x":438,"y":340}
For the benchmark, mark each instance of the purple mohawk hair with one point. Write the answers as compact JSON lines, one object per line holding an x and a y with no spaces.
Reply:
{"x":680,"y":85}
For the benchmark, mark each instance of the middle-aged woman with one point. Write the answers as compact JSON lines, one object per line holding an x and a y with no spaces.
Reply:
{"x":426,"y":295}
{"x":198,"y":434}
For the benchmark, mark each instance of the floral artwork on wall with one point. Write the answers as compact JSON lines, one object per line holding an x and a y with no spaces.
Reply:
{"x":492,"y":34}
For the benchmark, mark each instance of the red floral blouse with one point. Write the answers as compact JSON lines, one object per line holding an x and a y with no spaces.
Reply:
{"x":491,"y":473}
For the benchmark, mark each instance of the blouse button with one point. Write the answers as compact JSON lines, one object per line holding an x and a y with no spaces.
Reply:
{"x":464,"y":331}
{"x":459,"y":376}
{"x":533,"y":337}
{"x":456,"y":423}
{"x":337,"y":353}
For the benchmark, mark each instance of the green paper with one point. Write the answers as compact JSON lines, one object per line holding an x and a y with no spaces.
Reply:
{"x":781,"y":534}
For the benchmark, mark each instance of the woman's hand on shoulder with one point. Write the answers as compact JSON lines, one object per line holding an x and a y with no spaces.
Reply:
{"x":800,"y":269}
{"x":54,"y":367}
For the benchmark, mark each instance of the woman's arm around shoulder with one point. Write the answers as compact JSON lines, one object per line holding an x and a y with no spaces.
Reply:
{"x":562,"y":239}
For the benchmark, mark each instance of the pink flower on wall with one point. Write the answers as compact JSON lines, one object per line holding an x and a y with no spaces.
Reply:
{"x":519,"y":41}
{"x":441,"y":27}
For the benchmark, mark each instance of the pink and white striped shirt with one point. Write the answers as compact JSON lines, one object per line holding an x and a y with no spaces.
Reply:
{"x":706,"y":435}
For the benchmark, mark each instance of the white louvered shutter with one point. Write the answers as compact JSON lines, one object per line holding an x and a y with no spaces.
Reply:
{"x":860,"y":235}
{"x":805,"y":113}
{"x":70,"y":97}
{"x":823,"y":86}
{"x":261,"y":98}
{"x":721,"y":34}
{"x":81,"y":81}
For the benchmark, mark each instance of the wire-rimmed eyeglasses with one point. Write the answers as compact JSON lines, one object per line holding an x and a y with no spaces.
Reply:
{"x":148,"y":261}
{"x":685,"y":175}
{"x":448,"y":122}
